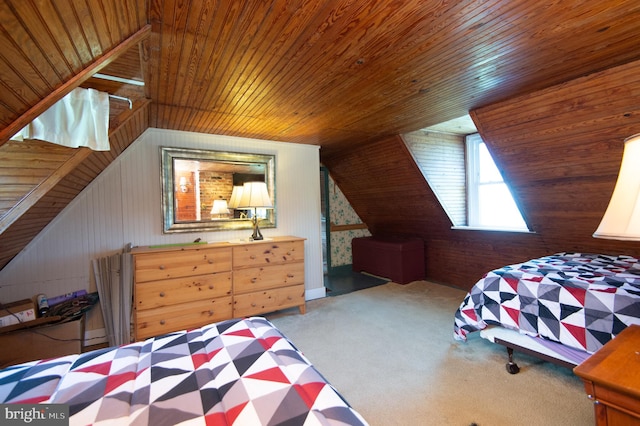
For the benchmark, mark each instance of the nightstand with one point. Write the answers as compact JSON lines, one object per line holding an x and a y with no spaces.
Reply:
{"x":612,"y":379}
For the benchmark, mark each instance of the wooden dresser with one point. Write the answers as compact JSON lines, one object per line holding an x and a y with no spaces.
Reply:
{"x":182,"y":287}
{"x":268,"y":277}
{"x":612,"y":379}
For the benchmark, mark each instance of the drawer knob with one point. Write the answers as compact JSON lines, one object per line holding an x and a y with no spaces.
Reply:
{"x":210,"y":286}
{"x":162,"y":267}
{"x":289,"y":298}
{"x":253,"y":280}
{"x":210,"y":312}
{"x":162,"y":294}
{"x":161,"y":322}
{"x":210,"y":261}
{"x":253,"y":305}
{"x":252,"y":257}
{"x":289,"y":275}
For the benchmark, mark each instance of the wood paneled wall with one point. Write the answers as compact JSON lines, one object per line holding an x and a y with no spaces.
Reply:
{"x":440,"y":156}
{"x":560,"y":150}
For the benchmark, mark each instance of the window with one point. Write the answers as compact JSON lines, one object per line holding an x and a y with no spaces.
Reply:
{"x":490,"y":203}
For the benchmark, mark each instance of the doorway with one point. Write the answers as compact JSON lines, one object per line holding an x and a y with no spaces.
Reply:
{"x":325,"y":218}
{"x":342,"y":279}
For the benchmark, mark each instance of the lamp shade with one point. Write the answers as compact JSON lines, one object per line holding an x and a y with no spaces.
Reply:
{"x":236,"y":194}
{"x":621,"y":220}
{"x":255,"y":195}
{"x":219,"y":207}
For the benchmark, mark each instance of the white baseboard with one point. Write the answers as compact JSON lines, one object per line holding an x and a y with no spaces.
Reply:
{"x":95,"y":337}
{"x":315,"y":293}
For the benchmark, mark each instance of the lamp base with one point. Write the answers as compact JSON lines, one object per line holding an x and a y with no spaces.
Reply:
{"x":257,"y":235}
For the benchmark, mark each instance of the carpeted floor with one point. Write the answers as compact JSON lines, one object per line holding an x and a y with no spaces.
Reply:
{"x":389,"y":350}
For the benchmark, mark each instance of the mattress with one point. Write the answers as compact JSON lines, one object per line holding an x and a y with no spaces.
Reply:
{"x":236,"y":372}
{"x":576,"y":299}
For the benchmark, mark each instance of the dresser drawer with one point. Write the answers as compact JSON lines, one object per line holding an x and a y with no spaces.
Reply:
{"x":245,"y":305}
{"x":154,"y":322}
{"x":268,"y":253}
{"x":164,"y":265}
{"x":265,"y":277}
{"x":155,"y":294}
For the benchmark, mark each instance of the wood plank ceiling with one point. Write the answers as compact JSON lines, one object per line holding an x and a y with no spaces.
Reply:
{"x":339,"y":74}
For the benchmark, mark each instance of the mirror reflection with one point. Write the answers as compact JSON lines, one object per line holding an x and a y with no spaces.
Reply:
{"x":202,"y":190}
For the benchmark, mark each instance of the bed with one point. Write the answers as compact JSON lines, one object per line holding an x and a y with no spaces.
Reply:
{"x":562,"y":307}
{"x":240,"y":372}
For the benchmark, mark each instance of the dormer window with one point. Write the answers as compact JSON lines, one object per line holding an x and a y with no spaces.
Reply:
{"x":459,"y":168}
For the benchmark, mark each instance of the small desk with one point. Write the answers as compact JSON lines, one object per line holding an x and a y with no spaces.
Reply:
{"x":38,"y":339}
{"x":612,"y":379}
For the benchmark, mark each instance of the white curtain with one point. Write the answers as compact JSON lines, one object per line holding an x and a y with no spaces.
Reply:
{"x":114,"y":280}
{"x":81,"y":118}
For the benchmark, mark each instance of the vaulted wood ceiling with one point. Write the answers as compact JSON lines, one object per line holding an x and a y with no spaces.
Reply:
{"x":339,"y":74}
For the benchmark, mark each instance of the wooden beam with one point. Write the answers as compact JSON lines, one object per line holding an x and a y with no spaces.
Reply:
{"x":71,"y":84}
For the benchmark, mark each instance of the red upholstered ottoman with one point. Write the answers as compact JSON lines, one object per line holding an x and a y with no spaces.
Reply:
{"x":397,"y":258}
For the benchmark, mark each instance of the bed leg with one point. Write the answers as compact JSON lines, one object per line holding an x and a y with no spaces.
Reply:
{"x":512,"y":367}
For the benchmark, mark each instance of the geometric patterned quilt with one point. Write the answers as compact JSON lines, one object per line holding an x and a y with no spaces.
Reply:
{"x":236,"y":372}
{"x":577,"y":299}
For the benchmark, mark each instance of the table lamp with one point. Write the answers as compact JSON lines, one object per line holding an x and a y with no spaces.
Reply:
{"x":621,"y":220}
{"x":255,"y":196}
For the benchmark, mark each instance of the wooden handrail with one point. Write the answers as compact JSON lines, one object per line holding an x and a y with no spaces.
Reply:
{"x":338,"y":228}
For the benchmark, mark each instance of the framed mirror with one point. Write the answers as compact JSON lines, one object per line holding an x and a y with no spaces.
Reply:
{"x":200,"y":189}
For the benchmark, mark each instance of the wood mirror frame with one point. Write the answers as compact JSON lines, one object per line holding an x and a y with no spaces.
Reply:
{"x":192,"y":179}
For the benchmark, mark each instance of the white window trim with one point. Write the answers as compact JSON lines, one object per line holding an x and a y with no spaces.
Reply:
{"x":472,"y":154}
{"x":481,"y":228}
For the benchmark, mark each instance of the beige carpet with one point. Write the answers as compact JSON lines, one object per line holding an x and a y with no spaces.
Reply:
{"x":389,"y":350}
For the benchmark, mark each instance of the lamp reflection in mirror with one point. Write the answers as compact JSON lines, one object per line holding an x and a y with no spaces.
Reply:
{"x":236,"y":194}
{"x":219,"y":208}
{"x":183,"y":184}
{"x":234,"y":201}
{"x":255,"y":196}
{"x":621,"y":220}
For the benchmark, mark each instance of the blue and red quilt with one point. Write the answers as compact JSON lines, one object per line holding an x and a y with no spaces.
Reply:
{"x":577,"y":299}
{"x":240,"y":372}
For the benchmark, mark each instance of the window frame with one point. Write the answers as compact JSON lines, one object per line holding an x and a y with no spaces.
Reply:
{"x":472,"y":168}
